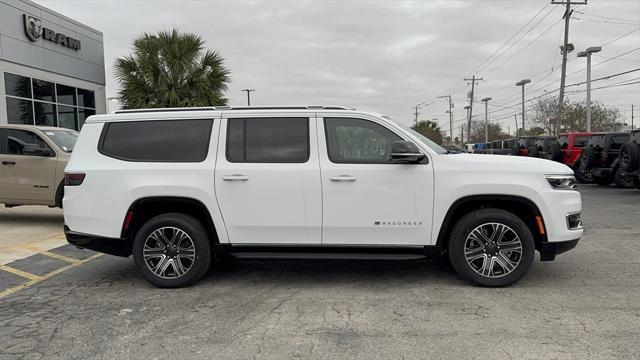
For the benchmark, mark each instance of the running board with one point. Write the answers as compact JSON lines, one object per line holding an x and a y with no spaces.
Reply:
{"x":325,"y":256}
{"x":335,"y":252}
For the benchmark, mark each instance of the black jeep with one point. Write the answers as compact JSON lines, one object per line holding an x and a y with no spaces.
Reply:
{"x":600,"y":159}
{"x":501,"y":147}
{"x":546,"y":147}
{"x":630,"y":157}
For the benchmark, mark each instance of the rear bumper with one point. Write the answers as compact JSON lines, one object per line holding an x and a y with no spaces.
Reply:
{"x":549,"y":250}
{"x":112,"y":246}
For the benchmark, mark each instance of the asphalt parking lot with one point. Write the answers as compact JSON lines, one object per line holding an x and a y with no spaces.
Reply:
{"x":586,"y":304}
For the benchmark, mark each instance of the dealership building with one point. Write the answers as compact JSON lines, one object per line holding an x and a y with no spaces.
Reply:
{"x":51,"y":67}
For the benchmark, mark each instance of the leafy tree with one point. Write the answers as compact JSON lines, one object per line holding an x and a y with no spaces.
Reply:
{"x":171,"y":69}
{"x":494,"y":130}
{"x":429,"y":129}
{"x":574,"y":116}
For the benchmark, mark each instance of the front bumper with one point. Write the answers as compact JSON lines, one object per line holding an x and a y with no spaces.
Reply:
{"x":107,"y":245}
{"x":549,"y":250}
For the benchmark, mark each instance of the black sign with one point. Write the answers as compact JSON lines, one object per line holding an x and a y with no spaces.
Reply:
{"x":34,"y":30}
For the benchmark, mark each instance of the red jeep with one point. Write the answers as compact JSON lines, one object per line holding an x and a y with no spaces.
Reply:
{"x":571,"y":145}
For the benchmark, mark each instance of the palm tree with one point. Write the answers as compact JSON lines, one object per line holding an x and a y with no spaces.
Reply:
{"x":171,"y":69}
{"x":429,"y":129}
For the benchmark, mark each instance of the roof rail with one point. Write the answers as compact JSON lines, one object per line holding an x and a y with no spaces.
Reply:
{"x":210,"y":108}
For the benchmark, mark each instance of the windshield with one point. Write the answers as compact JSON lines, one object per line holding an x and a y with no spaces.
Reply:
{"x":65,"y":139}
{"x":423,"y":139}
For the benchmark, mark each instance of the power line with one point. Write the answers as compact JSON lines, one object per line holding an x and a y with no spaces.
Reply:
{"x":605,"y":17}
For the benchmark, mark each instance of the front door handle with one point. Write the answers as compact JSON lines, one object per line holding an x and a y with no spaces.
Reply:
{"x":8,"y":163}
{"x":235,"y":177}
{"x":343,"y":178}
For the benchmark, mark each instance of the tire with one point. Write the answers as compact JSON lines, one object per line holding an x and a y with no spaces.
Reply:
{"x":157,"y":233}
{"x":626,"y":182}
{"x":629,"y":154}
{"x":465,"y":238}
{"x":533,"y":151}
{"x":586,"y":157}
{"x":515,"y":150}
{"x":59,"y":195}
{"x":554,"y":152}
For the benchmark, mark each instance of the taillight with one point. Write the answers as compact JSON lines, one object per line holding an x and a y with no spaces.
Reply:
{"x":73,"y":179}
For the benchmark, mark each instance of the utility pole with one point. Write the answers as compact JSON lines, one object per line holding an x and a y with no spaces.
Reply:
{"x":450,"y":114}
{"x":248,"y":95}
{"x":587,"y":53}
{"x":565,"y":49}
{"x":473,"y":87}
{"x":416,"y":113}
{"x":631,"y":117}
{"x":461,"y":134}
{"x":522,"y":83}
{"x":468,"y":122}
{"x":515,"y":118}
{"x":486,"y":118}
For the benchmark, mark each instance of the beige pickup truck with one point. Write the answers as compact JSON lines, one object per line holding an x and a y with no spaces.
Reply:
{"x":32,"y":162}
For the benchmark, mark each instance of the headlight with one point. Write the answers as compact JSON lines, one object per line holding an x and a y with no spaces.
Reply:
{"x":561,"y":182}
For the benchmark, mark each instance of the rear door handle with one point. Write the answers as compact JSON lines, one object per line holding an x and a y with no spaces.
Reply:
{"x":8,"y":163}
{"x":235,"y":177}
{"x":343,"y":178}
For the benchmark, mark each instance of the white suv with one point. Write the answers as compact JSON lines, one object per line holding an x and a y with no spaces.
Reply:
{"x":178,"y":188}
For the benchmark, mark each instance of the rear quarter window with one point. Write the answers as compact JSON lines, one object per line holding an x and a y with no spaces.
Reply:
{"x":157,"y":140}
{"x":580,"y":141}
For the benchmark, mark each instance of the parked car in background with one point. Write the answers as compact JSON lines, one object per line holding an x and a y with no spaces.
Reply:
{"x":33,"y":161}
{"x":452,"y":149}
{"x":523,"y":145}
{"x":545,"y":147}
{"x":500,"y":147}
{"x":630,"y":157}
{"x":571,"y":145}
{"x":468,"y":148}
{"x":600,"y":158}
{"x":177,"y":188}
{"x":481,"y":148}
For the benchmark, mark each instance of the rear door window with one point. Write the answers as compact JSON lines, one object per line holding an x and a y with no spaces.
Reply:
{"x":580,"y":141}
{"x":157,"y":140}
{"x":618,"y":140}
{"x":596,"y":140}
{"x":268,"y":140}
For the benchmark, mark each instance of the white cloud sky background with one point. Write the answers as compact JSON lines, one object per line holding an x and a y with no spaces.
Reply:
{"x":385,"y":56}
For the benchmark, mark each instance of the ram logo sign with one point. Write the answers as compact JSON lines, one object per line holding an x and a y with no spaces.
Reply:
{"x":34,"y":30}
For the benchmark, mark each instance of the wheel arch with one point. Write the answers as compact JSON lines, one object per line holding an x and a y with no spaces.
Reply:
{"x":143,"y":209}
{"x":520,"y":206}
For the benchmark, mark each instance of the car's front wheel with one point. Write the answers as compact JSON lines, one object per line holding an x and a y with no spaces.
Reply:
{"x":491,"y":247}
{"x":172,"y":250}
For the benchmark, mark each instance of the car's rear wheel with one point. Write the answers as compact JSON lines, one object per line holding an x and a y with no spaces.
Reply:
{"x":491,"y":247}
{"x":172,"y":250}
{"x":623,"y":181}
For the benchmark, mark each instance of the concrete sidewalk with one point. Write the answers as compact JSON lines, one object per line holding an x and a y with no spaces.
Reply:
{"x":28,"y":230}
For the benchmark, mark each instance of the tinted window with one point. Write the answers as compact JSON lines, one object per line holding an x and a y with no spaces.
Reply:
{"x":618,"y":140}
{"x":86,"y":98}
{"x":67,"y":117}
{"x":272,"y":140}
{"x":563,"y":141}
{"x":19,"y":111}
{"x":580,"y":141}
{"x":46,"y":114}
{"x":635,"y":137}
{"x":44,"y":90}
{"x":66,"y":94}
{"x":596,"y":140}
{"x":16,"y":85}
{"x":157,"y":141}
{"x":358,"y":141}
{"x":18,"y":139}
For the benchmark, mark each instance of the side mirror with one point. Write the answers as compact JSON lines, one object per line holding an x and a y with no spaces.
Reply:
{"x":35,"y":150}
{"x":406,"y":152}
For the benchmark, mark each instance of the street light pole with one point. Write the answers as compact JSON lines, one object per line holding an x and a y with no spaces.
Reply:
{"x":486,"y":118}
{"x":587,"y":53}
{"x":248,"y":91}
{"x":522,"y":83}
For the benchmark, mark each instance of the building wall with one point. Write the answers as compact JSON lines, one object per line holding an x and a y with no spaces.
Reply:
{"x":47,"y":60}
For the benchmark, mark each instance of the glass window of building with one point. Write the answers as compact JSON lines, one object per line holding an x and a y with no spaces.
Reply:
{"x":44,"y":103}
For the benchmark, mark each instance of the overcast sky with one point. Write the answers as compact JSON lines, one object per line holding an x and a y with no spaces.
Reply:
{"x":388,"y":56}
